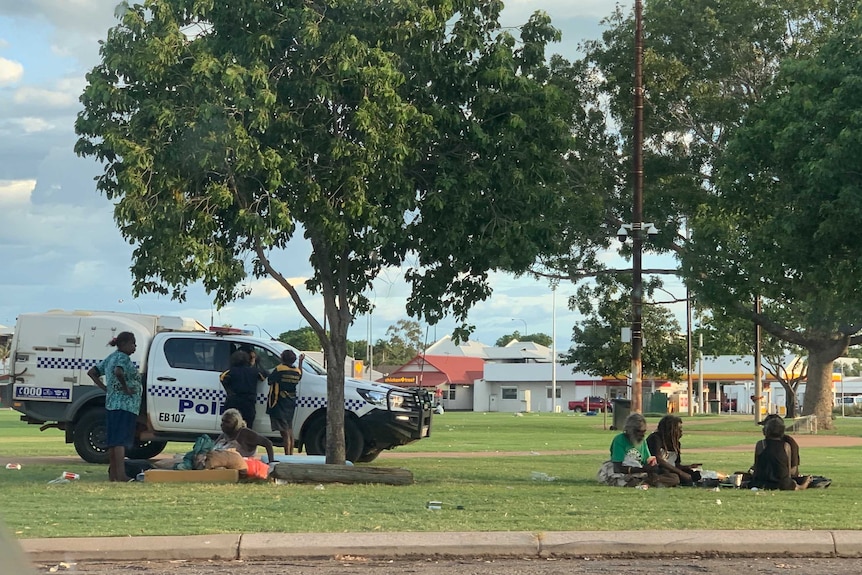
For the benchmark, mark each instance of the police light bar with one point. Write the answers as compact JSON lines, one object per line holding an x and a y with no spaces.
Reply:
{"x":227,"y":330}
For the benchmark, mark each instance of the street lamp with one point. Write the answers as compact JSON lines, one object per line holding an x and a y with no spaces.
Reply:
{"x":522,"y":321}
{"x":122,"y":301}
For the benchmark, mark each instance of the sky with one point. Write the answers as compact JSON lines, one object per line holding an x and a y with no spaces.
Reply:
{"x":59,"y":242}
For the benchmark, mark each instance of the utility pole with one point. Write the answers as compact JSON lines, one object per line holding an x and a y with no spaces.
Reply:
{"x":688,"y":350}
{"x":758,"y":382}
{"x":637,"y":216}
{"x":554,"y":348}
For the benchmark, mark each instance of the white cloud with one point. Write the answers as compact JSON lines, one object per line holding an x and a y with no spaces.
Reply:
{"x":31,"y":125}
{"x":11,"y":71}
{"x":88,"y":273}
{"x":15,"y":192}
{"x":268,"y":288}
{"x":43,"y":97}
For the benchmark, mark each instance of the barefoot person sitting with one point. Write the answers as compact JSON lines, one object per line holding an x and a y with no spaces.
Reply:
{"x":772,"y":460}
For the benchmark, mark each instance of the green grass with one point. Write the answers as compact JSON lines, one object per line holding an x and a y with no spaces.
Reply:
{"x":496,"y":493}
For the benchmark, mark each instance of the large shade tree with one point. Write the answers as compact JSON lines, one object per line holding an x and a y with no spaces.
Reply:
{"x":706,"y":63}
{"x":379,"y":130}
{"x":785,"y":223}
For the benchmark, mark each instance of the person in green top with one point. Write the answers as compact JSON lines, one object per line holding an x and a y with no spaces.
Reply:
{"x":122,"y":401}
{"x":631,"y":463}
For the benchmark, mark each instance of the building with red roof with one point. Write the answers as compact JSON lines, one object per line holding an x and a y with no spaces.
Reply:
{"x":450,"y":376}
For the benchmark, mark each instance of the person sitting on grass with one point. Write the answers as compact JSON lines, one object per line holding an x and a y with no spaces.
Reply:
{"x":772,"y":456}
{"x":631,"y":463}
{"x":794,"y":447}
{"x":664,"y":443}
{"x":236,"y":435}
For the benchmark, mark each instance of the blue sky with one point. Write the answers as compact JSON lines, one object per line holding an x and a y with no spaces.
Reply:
{"x":61,"y":248}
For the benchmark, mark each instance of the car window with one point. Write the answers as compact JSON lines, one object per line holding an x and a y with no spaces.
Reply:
{"x":199,"y":354}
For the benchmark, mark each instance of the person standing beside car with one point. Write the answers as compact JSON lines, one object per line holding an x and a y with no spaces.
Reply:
{"x":281,"y":402}
{"x":240,"y":384}
{"x":122,"y":401}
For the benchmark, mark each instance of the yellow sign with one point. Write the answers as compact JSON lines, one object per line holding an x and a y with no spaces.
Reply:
{"x":358,"y":367}
{"x":399,"y":379}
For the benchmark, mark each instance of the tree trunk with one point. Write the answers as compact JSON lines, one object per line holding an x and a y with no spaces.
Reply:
{"x":336,"y":351}
{"x":310,"y":473}
{"x":819,"y":397}
{"x":790,"y":401}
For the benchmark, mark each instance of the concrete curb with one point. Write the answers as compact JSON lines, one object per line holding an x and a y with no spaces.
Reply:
{"x":392,"y":545}
{"x":161,"y":548}
{"x":272,"y":546}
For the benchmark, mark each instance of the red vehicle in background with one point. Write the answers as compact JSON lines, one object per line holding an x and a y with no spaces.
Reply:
{"x":593,"y":403}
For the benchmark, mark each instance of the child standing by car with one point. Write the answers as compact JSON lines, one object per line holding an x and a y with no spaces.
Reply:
{"x":281,"y":403}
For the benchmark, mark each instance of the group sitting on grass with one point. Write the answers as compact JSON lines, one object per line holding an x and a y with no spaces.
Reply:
{"x":657,"y":461}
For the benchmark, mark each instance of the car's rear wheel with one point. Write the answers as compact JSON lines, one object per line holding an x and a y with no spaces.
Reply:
{"x":90,"y":436}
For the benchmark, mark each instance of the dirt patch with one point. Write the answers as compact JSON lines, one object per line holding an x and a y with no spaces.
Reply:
{"x":804,"y":441}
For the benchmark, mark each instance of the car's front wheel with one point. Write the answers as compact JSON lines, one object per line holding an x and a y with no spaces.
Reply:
{"x":315,"y":439}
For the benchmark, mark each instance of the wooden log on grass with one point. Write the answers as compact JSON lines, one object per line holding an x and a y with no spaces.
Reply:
{"x":312,"y":473}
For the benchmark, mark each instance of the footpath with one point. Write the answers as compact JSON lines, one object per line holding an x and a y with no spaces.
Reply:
{"x":413,"y":545}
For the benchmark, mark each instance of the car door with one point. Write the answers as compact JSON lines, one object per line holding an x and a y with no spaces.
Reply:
{"x":185,"y":391}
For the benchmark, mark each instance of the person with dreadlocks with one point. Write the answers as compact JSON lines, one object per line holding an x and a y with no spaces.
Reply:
{"x":631,"y":463}
{"x":664,"y":443}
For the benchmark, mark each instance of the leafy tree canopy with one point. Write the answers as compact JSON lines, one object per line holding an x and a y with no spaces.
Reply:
{"x":784,"y":226}
{"x":540,"y":338}
{"x":706,"y":64}
{"x":381,"y":130}
{"x":404,"y":340}
{"x":303,"y":339}
{"x":598,"y":347}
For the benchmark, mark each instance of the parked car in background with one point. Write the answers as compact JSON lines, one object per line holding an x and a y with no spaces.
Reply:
{"x":850,"y":400}
{"x":729,"y":405}
{"x":592,"y":403}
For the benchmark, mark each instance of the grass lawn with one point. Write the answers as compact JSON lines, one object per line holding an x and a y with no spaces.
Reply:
{"x":497,"y":493}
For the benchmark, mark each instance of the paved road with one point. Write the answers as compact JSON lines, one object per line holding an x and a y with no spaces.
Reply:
{"x":474,"y":566}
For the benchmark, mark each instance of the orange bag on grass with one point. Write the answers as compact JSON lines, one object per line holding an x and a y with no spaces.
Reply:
{"x":257,"y":469}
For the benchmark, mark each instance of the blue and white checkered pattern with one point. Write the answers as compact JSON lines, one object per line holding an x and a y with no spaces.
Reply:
{"x":69,"y":363}
{"x":194,"y":393}
{"x":202,"y":395}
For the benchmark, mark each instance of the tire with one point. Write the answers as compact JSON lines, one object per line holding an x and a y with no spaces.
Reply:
{"x":315,"y":437}
{"x":368,"y":457}
{"x":315,"y":440}
{"x":579,"y":409}
{"x":90,"y":436}
{"x":147,"y":449}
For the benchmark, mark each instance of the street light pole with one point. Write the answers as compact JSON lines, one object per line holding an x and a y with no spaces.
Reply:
{"x":522,"y":321}
{"x":637,"y":215}
{"x":554,"y":348}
